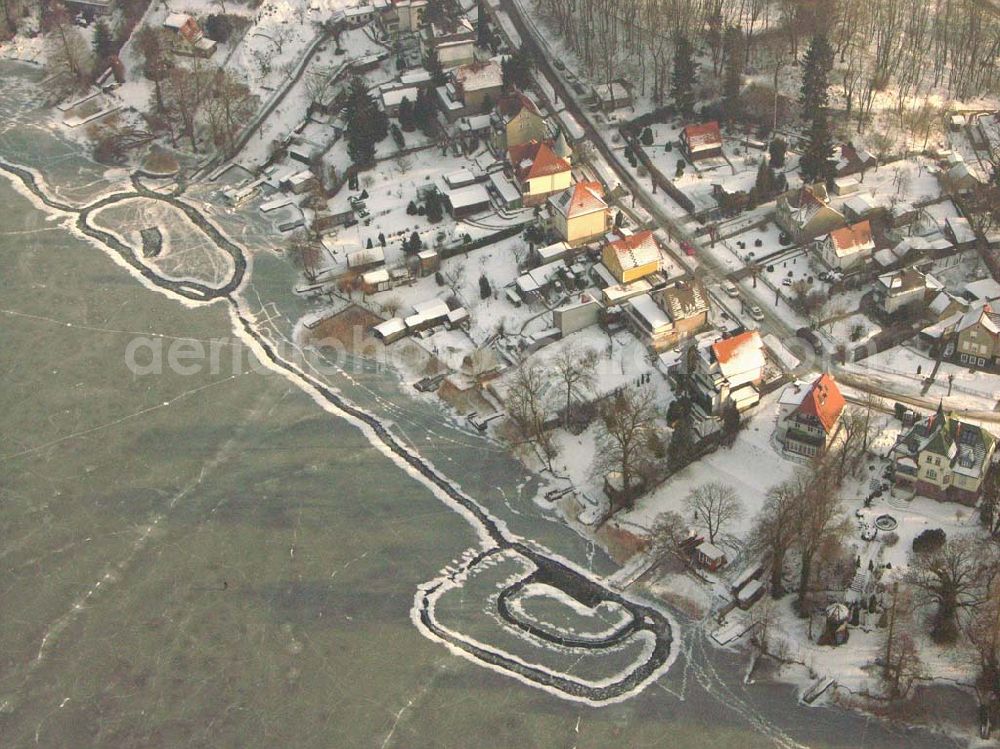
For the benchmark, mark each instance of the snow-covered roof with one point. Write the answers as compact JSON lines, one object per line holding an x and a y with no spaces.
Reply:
{"x":375,"y":276}
{"x":394,"y":97}
{"x":861,"y":204}
{"x":986,"y":289}
{"x":504,"y":187}
{"x":368,"y":256}
{"x":711,"y":551}
{"x":739,"y":354}
{"x":477,"y":76}
{"x":176,"y":20}
{"x":703,"y":136}
{"x":961,"y":229}
{"x":471,"y":195}
{"x":851,"y":239}
{"x":636,"y":250}
{"x":581,"y":198}
{"x":654,"y":317}
{"x":390,"y":327}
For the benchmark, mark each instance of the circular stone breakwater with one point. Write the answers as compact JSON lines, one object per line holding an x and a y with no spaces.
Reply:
{"x":549,"y":569}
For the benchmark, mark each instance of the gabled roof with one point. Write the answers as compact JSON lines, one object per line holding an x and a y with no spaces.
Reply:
{"x":580,"y":199}
{"x":823,"y":401}
{"x":983,"y":316}
{"x":703,"y":136}
{"x":741,"y":353}
{"x":684,"y":300}
{"x":853,"y":238}
{"x":636,"y":250}
{"x":535,"y":159}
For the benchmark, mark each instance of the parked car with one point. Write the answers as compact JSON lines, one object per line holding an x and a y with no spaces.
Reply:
{"x":786,"y":281}
{"x":756,"y":313}
{"x":810,"y":337}
{"x":730,"y":288}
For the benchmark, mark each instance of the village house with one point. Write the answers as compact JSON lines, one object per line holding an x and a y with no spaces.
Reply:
{"x":944,"y":458}
{"x":188,"y":37}
{"x":612,"y":96}
{"x":579,"y":213}
{"x":400,"y":16}
{"x":632,"y":257}
{"x":454,"y":46}
{"x":809,"y":416}
{"x":702,"y":141}
{"x":848,"y":247}
{"x":666,"y":317}
{"x":960,"y":232}
{"x":978,"y":338}
{"x":805,"y":214}
{"x":478,"y":84}
{"x":539,"y":171}
{"x":904,"y":290}
{"x":726,"y":371}
{"x":516,"y":121}
{"x":851,"y":161}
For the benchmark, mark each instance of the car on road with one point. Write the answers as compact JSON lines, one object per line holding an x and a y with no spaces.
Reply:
{"x":810,"y":337}
{"x":560,"y":65}
{"x":756,"y":313}
{"x":730,"y":288}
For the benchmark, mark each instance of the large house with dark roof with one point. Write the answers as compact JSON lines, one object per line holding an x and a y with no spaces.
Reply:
{"x":977,"y":342}
{"x":516,"y":121}
{"x":944,"y":458}
{"x":809,"y":415}
{"x":805,"y":213}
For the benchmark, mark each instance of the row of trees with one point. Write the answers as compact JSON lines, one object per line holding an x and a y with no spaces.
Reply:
{"x":909,"y":46}
{"x":192,"y":100}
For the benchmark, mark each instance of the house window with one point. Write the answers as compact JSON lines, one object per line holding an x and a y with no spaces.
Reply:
{"x":964,"y":358}
{"x":982,"y":362}
{"x":932,"y":474}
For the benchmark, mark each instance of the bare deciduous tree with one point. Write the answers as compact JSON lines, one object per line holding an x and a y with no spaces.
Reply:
{"x":575,"y":368}
{"x":628,"y":421}
{"x":526,"y":404}
{"x":713,"y":506}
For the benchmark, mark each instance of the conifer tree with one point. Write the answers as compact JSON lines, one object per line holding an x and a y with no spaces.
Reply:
{"x":684,"y":76}
{"x":816,"y":66}
{"x":733,"y":72}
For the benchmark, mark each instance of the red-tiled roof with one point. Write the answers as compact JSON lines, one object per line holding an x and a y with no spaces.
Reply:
{"x":636,"y":250}
{"x":727,"y":348}
{"x":824,"y":401}
{"x":584,"y":198}
{"x":704,"y":135}
{"x":534,"y":159}
{"x":856,"y":235}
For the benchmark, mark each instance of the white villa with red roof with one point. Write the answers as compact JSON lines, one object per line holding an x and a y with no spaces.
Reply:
{"x":703,"y":141}
{"x":728,"y":370}
{"x":579,"y":213}
{"x":538,"y":171}
{"x":849,"y":246}
{"x":809,"y":415}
